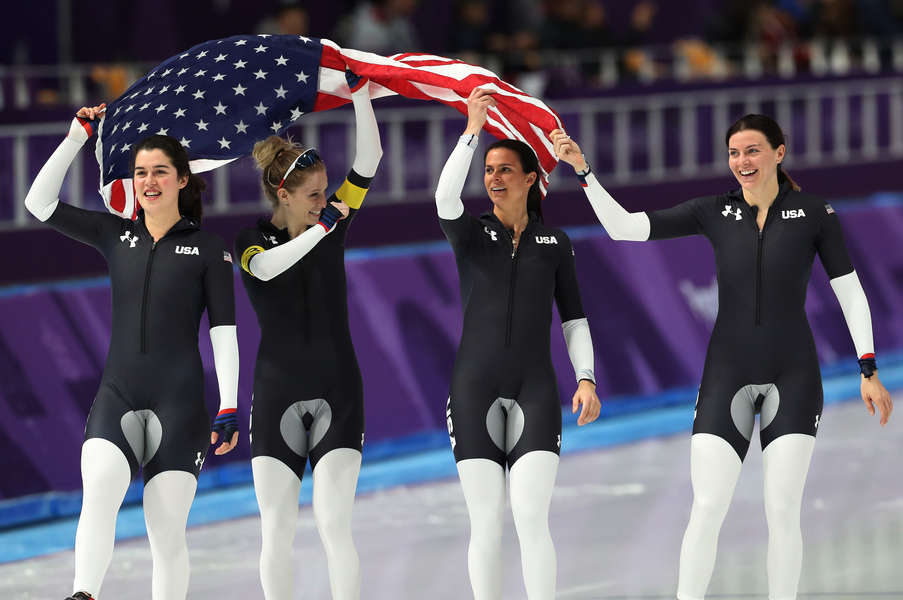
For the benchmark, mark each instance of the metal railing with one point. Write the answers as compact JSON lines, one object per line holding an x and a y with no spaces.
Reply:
{"x":642,"y":138}
{"x":692,"y":59}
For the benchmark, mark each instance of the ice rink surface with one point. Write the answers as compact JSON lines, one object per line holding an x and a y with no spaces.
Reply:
{"x":617,"y":519}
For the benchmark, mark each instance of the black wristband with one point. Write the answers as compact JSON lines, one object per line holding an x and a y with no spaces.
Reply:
{"x":867,"y":366}
{"x":581,"y":175}
{"x":329,"y":216}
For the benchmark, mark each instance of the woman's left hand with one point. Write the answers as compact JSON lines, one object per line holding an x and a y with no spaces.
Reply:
{"x":567,"y":149}
{"x":343,"y":208}
{"x":874,"y":393}
{"x":586,"y":395}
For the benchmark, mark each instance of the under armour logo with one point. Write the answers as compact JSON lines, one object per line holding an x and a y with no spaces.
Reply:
{"x":817,"y":417}
{"x":271,"y":239}
{"x":199,"y":462}
{"x":362,"y":440}
{"x":494,"y":235}
{"x":559,"y":441}
{"x":448,"y":422}
{"x":727,"y":211}
{"x":128,"y":237}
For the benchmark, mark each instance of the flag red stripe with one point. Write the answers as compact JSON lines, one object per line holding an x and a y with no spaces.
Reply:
{"x":117,"y":196}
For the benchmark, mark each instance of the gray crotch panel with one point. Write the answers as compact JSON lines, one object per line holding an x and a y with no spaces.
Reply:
{"x":505,"y":423}
{"x":762,"y":398}
{"x":304,"y":424}
{"x":143,"y":432}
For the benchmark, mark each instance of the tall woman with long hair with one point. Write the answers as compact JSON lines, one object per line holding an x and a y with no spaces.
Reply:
{"x":761,"y":358}
{"x":503,"y":406}
{"x":149,"y":409}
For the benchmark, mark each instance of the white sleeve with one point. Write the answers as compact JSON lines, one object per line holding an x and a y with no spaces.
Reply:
{"x":368,"y":149}
{"x":580,"y":348}
{"x":855,"y":307}
{"x":225,"y":359}
{"x":620,"y":224}
{"x":275,"y":261}
{"x":43,"y":196}
{"x":451,"y":181}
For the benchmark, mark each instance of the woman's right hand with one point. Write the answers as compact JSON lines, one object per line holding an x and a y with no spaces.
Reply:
{"x":91,"y":112}
{"x":86,"y":122}
{"x":478,"y":104}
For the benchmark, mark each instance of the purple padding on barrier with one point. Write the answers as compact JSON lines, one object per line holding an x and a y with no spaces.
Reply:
{"x":650,"y":307}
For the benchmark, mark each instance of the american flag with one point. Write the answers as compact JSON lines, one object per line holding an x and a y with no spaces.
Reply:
{"x":222,"y":96}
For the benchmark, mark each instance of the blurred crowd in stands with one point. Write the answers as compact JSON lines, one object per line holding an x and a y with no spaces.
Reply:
{"x":541,"y":45}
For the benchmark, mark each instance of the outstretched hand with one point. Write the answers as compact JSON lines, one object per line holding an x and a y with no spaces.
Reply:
{"x":567,"y":149}
{"x":874,"y":393}
{"x":478,"y":104}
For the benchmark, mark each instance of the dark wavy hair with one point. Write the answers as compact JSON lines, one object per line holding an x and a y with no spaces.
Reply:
{"x":772,"y":132}
{"x":530,"y":164}
{"x":190,"y":204}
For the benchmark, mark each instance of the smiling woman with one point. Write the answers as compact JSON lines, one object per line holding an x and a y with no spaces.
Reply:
{"x":164,"y":184}
{"x":164,"y":273}
{"x":503,"y":407}
{"x":308,"y":393}
{"x":761,"y":358}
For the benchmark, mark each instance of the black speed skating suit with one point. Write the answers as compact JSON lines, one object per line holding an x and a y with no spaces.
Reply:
{"x":151,"y":398}
{"x":504,"y":399}
{"x":761,"y":357}
{"x":308,"y":393}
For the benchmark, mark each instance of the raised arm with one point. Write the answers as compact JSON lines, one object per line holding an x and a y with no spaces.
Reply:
{"x":368,"y":149}
{"x":454,"y":173}
{"x":43,"y":197}
{"x":620,"y":224}
{"x":267,"y":264}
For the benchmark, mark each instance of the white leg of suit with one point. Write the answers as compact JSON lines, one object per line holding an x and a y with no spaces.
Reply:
{"x":532,"y":482}
{"x":483,"y":483}
{"x":105,"y":479}
{"x":335,"y":482}
{"x":167,"y":500}
{"x":785,"y":462}
{"x":277,"y":488}
{"x":714,"y":470}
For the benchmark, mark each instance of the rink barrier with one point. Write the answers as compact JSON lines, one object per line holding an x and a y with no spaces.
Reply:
{"x":227,"y":492}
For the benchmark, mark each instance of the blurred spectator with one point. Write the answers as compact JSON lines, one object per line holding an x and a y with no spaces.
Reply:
{"x":473,"y":31}
{"x":881,"y":18}
{"x":381,"y":26}
{"x":835,"y":18}
{"x":636,"y":60}
{"x":574,"y":24}
{"x":289,"y":18}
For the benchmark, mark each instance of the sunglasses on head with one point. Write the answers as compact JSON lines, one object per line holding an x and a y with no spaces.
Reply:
{"x":307,"y":159}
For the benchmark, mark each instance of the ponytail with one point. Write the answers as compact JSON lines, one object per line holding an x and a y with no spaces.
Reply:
{"x":273,"y":157}
{"x":784,"y":176}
